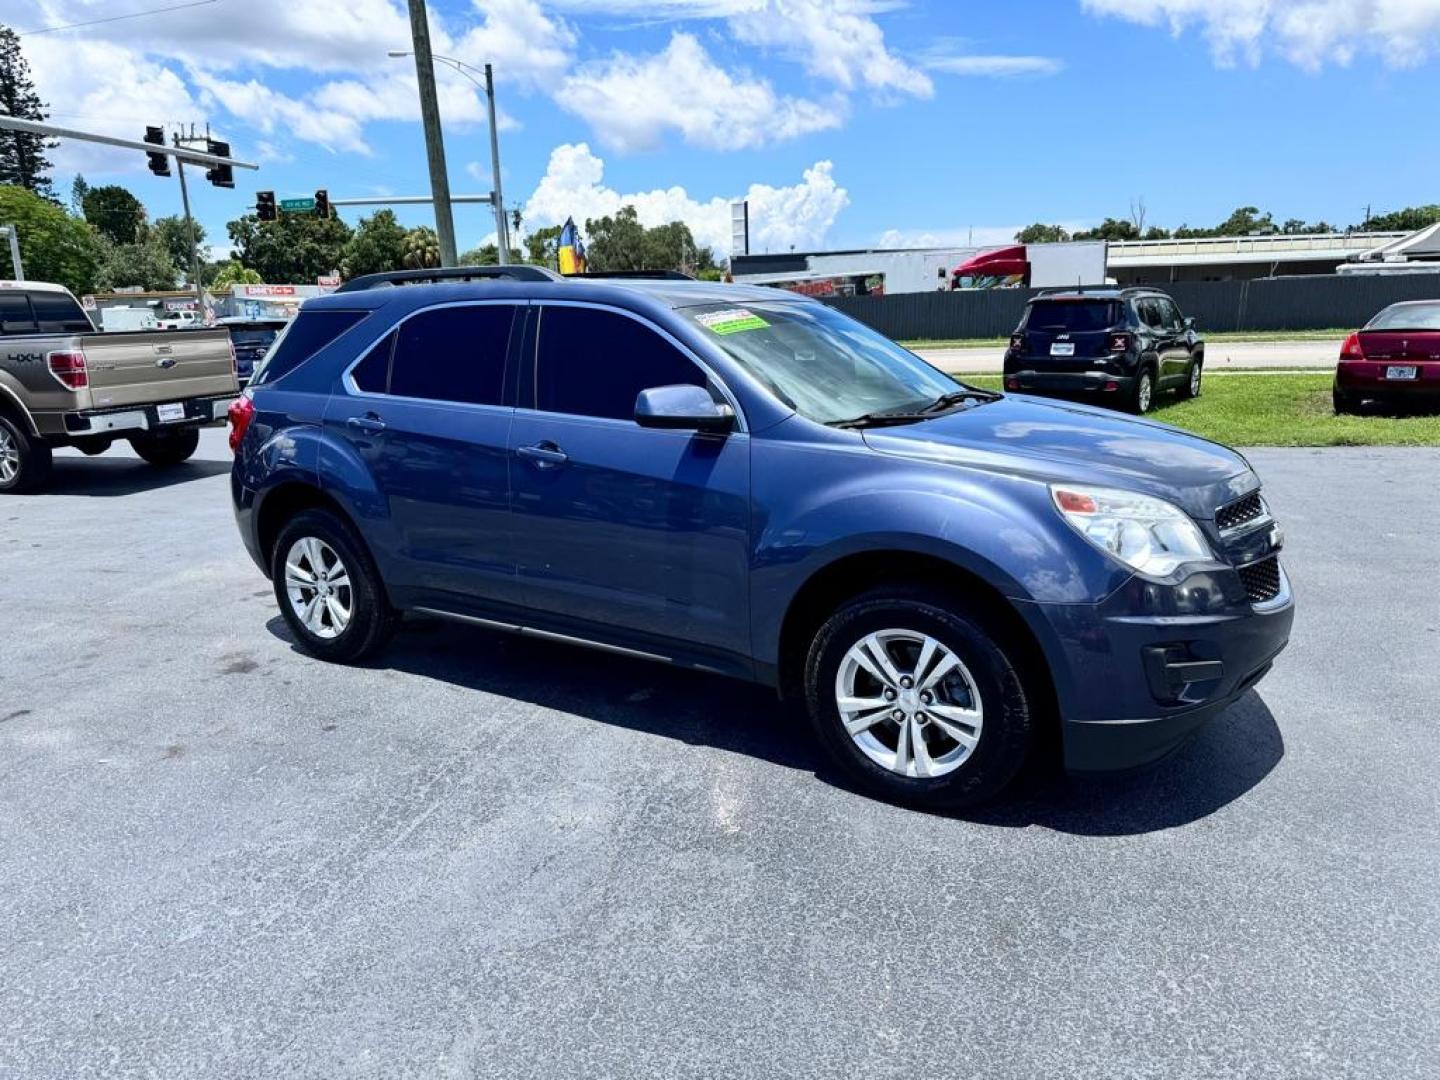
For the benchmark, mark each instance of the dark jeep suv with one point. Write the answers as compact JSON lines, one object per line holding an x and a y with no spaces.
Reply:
{"x":1116,"y":346}
{"x":745,"y":481}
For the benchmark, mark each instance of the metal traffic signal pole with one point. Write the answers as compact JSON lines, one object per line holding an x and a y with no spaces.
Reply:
{"x":190,"y":235}
{"x":502,"y":229}
{"x":434,"y":146}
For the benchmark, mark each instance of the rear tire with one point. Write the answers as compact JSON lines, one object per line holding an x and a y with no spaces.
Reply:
{"x":167,"y":448}
{"x":974,"y":741}
{"x":1343,"y":402}
{"x":1191,"y":388}
{"x":342,"y":614}
{"x":25,"y":460}
{"x":1142,"y":396}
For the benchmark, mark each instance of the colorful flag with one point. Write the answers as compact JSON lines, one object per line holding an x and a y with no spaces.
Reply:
{"x":572,"y":251}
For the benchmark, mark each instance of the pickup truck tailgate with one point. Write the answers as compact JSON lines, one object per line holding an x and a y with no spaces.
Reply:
{"x":152,"y":366}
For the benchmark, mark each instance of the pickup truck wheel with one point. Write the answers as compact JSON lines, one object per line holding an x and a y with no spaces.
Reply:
{"x":329,"y":590}
{"x":165,"y":448}
{"x":24,"y":460}
{"x":917,"y":700}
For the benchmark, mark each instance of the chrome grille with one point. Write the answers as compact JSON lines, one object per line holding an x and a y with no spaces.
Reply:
{"x":1240,"y":512}
{"x":1261,"y":579}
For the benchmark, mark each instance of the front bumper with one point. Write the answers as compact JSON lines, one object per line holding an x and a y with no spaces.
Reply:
{"x":1143,"y":670}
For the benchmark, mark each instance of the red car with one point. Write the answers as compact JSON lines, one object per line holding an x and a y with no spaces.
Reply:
{"x":1394,"y":360}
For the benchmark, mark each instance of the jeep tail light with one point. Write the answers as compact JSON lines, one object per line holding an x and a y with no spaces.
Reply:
{"x":69,"y":367}
{"x":240,"y":413}
{"x":1352,"y":350}
{"x":1017,"y":341}
{"x":1119,"y":343}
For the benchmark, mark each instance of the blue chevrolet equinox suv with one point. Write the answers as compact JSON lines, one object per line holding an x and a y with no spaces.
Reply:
{"x":744,"y":481}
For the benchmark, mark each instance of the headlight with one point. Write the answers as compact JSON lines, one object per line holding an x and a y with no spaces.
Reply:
{"x":1147,"y":534}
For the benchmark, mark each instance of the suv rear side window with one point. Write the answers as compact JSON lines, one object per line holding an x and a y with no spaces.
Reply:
{"x":58,"y":313}
{"x":1073,"y":316}
{"x":307,"y":334}
{"x":451,"y":354}
{"x":595,"y":363}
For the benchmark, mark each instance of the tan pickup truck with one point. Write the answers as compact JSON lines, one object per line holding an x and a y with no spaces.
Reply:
{"x":64,"y":384}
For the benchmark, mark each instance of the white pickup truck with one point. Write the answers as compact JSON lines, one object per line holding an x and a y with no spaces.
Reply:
{"x":62,"y":383}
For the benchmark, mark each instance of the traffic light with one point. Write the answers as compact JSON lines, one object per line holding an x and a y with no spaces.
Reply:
{"x":265,"y":205}
{"x":159,"y":163}
{"x":322,"y":203}
{"x":220,"y":175}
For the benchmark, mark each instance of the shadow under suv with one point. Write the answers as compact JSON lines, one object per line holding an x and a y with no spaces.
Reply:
{"x":1115,"y":346}
{"x":748,"y":482}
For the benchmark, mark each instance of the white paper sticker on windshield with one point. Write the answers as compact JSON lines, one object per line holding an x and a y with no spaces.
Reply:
{"x":731,"y":321}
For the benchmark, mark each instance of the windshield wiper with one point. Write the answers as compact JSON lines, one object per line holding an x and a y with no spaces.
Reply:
{"x":910,"y":416}
{"x":955,"y":397}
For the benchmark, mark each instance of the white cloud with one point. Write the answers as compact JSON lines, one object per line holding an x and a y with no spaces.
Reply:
{"x":996,"y":67}
{"x":835,"y":40}
{"x":1310,"y":33}
{"x":966,"y":236}
{"x":798,"y":215}
{"x":270,"y":111}
{"x":631,"y":102}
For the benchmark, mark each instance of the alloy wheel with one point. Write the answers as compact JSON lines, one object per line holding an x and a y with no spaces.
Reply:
{"x":9,"y":457}
{"x":1144,"y":392}
{"x":908,"y":703}
{"x":318,"y":586}
{"x":1195,"y":380}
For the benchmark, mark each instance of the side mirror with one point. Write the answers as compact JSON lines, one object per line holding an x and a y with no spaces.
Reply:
{"x":687,"y":408}
{"x":1190,"y":323}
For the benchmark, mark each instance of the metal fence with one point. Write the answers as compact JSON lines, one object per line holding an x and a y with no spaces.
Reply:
{"x":1320,"y":302}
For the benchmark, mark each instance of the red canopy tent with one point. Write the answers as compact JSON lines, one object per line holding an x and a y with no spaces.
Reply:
{"x":1000,"y":263}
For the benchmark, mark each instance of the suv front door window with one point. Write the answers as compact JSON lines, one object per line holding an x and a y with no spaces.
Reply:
{"x":638,"y":529}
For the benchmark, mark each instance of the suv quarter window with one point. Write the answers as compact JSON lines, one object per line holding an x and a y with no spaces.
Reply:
{"x":455,"y":353}
{"x":307,"y":334}
{"x":592,"y":361}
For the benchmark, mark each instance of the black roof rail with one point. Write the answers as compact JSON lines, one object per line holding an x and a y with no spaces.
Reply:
{"x":648,"y":275}
{"x":449,"y":273}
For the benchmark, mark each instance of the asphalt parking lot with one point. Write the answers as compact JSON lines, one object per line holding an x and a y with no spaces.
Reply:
{"x":492,"y":857}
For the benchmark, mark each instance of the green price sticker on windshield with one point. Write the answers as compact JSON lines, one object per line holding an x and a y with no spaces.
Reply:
{"x":731,"y":321}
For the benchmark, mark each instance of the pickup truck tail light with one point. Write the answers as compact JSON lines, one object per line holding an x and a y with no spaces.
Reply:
{"x":1352,"y":349}
{"x":240,"y":413}
{"x":69,"y":368}
{"x":1119,"y":342}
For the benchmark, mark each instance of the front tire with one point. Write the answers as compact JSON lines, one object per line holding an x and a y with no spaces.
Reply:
{"x":329,"y":589}
{"x":25,"y":460}
{"x":167,"y":448}
{"x":1191,"y":389}
{"x":917,"y":700}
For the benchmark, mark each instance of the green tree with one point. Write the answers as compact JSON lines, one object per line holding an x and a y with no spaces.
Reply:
{"x":22,"y":155}
{"x":1110,"y":229}
{"x":234,"y":273}
{"x":114,"y":213}
{"x":296,"y":249}
{"x":144,"y":264}
{"x":1042,"y":234}
{"x":1246,"y":221}
{"x":54,"y":246}
{"x":422,"y":248}
{"x":1410,"y":219}
{"x":377,"y":244}
{"x":488,"y":255}
{"x":78,"y":190}
{"x":616,"y":243}
{"x":175,"y":237}
{"x":541,"y":246}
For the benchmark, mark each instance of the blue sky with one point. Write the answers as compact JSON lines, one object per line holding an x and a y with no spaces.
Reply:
{"x":848,"y":122}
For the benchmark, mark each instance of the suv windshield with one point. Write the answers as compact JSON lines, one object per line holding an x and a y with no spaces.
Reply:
{"x":1073,"y":316}
{"x":824,"y":365}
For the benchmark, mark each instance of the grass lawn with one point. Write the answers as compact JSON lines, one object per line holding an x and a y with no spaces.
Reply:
{"x":1237,"y":335}
{"x":1278,"y":410}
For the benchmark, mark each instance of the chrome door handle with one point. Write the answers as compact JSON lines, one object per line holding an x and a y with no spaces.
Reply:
{"x":545,"y":455}
{"x":368,"y":422}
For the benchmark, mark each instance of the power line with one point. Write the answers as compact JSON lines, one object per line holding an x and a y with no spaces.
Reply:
{"x":117,"y":18}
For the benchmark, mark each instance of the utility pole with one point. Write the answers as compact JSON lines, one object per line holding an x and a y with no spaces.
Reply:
{"x":434,"y":146}
{"x":190,"y":232}
{"x":502,"y":227}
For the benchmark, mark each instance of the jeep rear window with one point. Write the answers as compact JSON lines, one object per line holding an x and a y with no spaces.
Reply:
{"x":1073,"y":316}
{"x":307,"y":334}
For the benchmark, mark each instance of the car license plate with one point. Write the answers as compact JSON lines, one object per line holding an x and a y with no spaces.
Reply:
{"x":1062,"y":348}
{"x":1401,"y":372}
{"x":168,"y":414}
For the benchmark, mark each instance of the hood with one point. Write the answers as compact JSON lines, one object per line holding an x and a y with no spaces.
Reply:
{"x":1053,"y":441}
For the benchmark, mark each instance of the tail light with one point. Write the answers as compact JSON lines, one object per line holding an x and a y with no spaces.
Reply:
{"x":1119,"y":342}
{"x":69,"y":368}
{"x":240,"y":413}
{"x":1017,"y":341}
{"x":1352,"y":350}
{"x":1012,"y":384}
